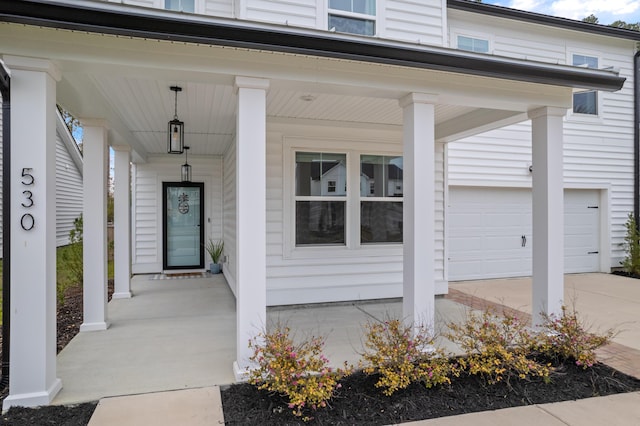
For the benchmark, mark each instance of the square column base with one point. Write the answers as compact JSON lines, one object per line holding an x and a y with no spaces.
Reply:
{"x":94,"y":326}
{"x":123,"y":295}
{"x":241,"y":374}
{"x":33,"y":399}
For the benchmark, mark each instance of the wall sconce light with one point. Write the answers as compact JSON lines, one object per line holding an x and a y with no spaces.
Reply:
{"x":175,"y":142}
{"x":185,"y":170}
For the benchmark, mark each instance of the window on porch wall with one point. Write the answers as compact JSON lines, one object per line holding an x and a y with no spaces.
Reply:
{"x":352,"y":16}
{"x":321,"y":190}
{"x":381,"y":199}
{"x":321,"y":194}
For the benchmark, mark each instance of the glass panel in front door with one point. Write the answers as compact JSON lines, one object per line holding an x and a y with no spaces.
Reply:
{"x":183,"y":227}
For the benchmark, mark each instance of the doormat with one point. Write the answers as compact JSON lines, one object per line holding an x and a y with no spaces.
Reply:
{"x":180,"y":276}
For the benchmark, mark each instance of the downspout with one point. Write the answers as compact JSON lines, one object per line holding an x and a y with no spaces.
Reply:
{"x":5,"y":87}
{"x":636,"y":136}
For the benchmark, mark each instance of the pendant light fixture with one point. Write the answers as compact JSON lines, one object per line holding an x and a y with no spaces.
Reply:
{"x":185,"y":171}
{"x":175,"y":143}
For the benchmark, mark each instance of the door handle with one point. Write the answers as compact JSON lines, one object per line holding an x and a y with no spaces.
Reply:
{"x":524,"y":240}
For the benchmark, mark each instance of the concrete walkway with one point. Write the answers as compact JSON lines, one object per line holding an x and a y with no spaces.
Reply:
{"x":606,"y":300}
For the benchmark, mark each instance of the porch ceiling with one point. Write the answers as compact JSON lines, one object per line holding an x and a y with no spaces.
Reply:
{"x":138,"y":110}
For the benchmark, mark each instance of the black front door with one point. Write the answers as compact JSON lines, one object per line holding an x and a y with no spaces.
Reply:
{"x":183,"y":215}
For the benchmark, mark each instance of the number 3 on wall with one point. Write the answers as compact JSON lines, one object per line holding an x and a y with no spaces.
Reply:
{"x":27,"y":221}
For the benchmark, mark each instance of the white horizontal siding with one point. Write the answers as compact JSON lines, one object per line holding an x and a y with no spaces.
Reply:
{"x":68,"y":192}
{"x":597,"y":152}
{"x":335,"y":274}
{"x":413,"y":21}
{"x":300,"y":13}
{"x":223,"y":8}
{"x":147,"y":205}
{"x":229,"y":215}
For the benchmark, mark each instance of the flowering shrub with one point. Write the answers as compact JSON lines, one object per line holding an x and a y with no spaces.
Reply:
{"x":403,"y":354}
{"x":298,"y":371}
{"x":567,"y":338}
{"x":496,"y":347}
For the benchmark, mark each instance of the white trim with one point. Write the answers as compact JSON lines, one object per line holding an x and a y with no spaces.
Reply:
{"x":69,"y":142}
{"x":445,"y":220}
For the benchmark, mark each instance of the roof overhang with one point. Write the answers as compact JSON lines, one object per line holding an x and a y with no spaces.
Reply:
{"x":109,"y":18}
{"x":538,"y":18}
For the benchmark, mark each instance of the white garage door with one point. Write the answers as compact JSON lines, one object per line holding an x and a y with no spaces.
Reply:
{"x":490,"y":232}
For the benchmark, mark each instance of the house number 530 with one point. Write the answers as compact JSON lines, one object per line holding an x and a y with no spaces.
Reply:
{"x":27,"y":221}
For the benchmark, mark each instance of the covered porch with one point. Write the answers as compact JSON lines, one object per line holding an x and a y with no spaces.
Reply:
{"x":252,"y":103}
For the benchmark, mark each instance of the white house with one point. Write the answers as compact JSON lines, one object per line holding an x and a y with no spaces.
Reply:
{"x":501,"y":125}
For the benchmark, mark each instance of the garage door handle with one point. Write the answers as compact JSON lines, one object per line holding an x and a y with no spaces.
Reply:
{"x":593,"y":252}
{"x":524,"y":241}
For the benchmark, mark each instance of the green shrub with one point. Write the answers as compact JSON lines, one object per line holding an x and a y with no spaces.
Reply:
{"x":567,"y":338}
{"x":403,"y":354}
{"x":70,"y":262}
{"x":497,"y":348}
{"x":298,"y":371}
{"x":631,"y":262}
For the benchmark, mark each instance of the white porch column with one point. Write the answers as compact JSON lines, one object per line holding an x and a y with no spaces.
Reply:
{"x":121,"y":223}
{"x":33,"y":232}
{"x":251,"y":288}
{"x":548,"y":211}
{"x":418,"y":292}
{"x":95,"y":172}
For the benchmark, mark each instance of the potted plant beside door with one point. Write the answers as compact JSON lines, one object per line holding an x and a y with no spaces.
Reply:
{"x":215,"y":249}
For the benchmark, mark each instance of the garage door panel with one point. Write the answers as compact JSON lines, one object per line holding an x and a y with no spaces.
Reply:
{"x":465,"y":245}
{"x":486,"y":226}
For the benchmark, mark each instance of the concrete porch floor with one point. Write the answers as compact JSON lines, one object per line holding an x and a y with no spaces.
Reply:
{"x":180,"y":334}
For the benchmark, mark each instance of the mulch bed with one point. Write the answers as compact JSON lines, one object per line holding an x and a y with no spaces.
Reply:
{"x":359,"y":402}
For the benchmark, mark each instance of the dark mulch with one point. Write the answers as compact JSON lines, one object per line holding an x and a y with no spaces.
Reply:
{"x":625,"y":274}
{"x":54,"y":415}
{"x":69,"y":319}
{"x":358,"y":402}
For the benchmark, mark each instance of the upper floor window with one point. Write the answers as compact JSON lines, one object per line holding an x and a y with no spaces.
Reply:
{"x":353,"y":16}
{"x":472,"y":44}
{"x":180,"y":5}
{"x":585,"y":102}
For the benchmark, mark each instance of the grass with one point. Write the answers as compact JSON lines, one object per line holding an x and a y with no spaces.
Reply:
{"x":64,"y":278}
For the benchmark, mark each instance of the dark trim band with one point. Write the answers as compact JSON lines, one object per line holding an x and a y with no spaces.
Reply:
{"x":163,"y":26}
